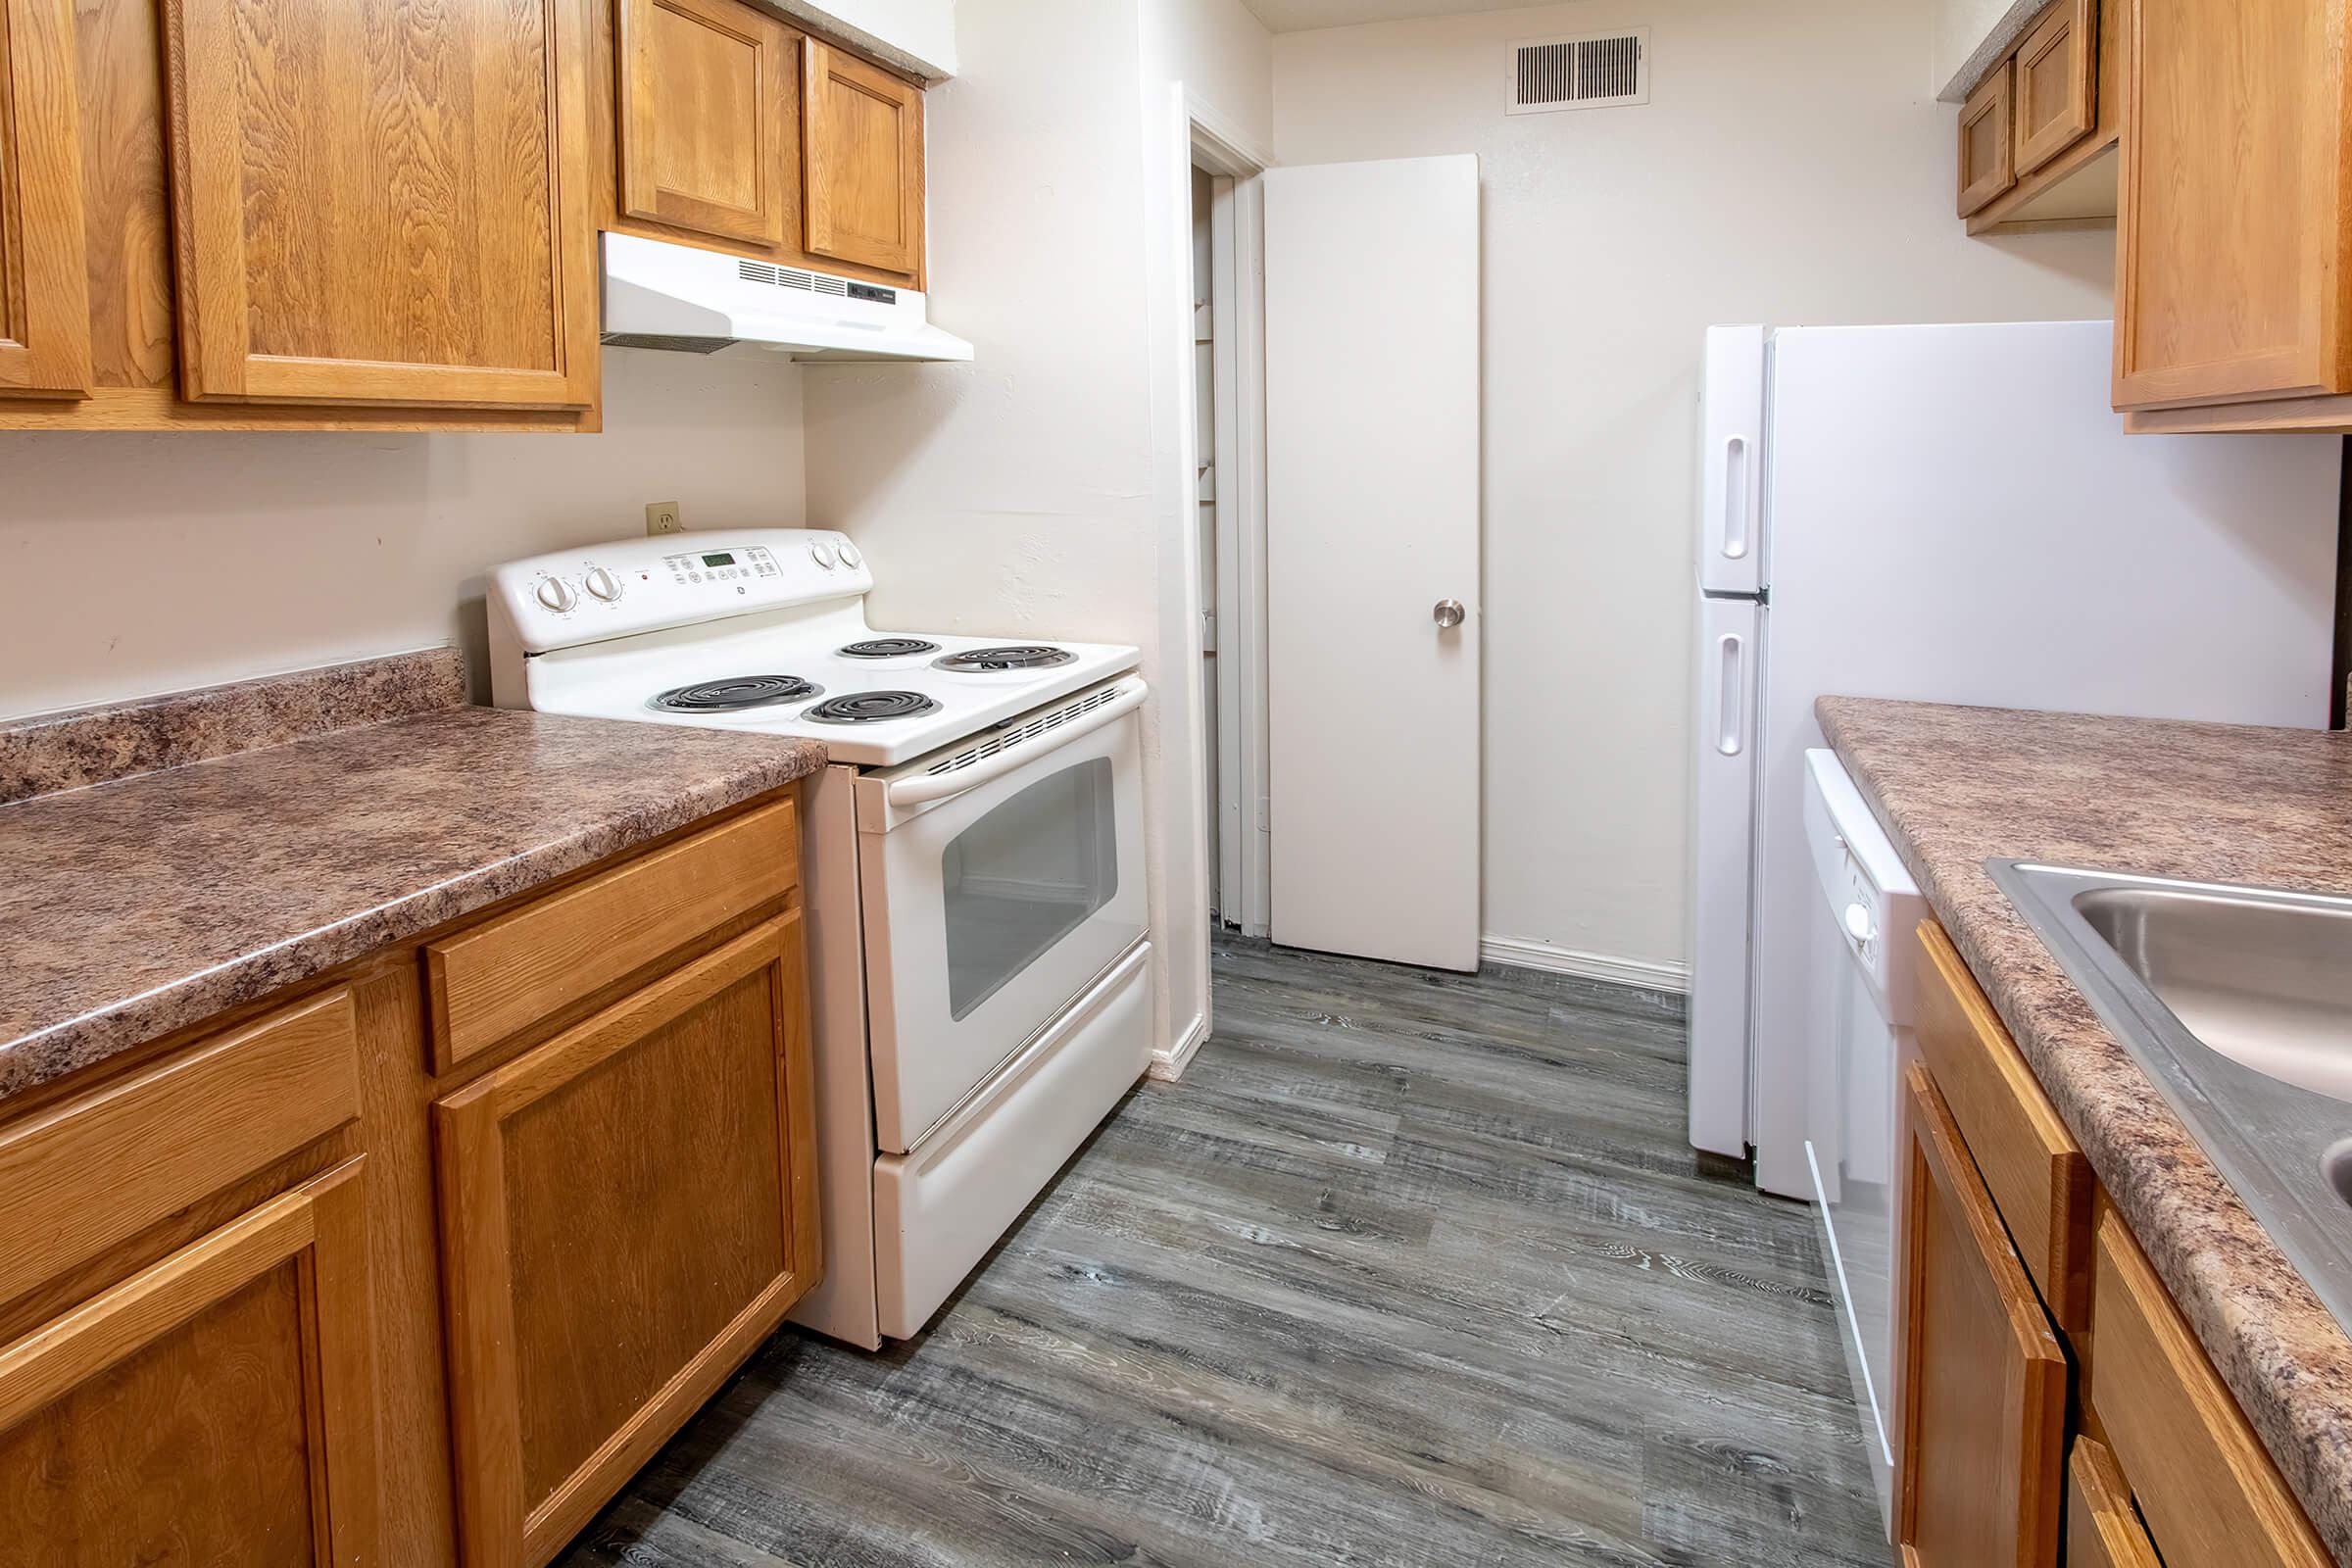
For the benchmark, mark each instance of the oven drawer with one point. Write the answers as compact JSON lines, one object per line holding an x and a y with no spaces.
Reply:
{"x":937,"y":1210}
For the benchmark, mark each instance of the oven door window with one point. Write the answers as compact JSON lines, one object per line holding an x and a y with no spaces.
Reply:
{"x":1026,"y":875}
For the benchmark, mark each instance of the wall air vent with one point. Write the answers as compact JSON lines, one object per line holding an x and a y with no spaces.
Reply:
{"x":1599,"y":70}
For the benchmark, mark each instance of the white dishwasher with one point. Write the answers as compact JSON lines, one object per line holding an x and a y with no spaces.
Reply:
{"x":1860,"y":951}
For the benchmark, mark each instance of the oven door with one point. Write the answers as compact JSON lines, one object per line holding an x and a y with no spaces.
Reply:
{"x":999,"y":881}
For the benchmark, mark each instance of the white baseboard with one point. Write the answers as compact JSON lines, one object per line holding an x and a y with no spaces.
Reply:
{"x":1522,"y":953}
{"x":1168,"y":1062}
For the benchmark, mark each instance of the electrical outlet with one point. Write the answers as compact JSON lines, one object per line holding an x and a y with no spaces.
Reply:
{"x":664,"y":517}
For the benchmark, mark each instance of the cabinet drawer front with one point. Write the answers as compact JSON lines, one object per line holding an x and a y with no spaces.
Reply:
{"x":515,"y":969}
{"x":1984,"y":1391}
{"x":93,"y":1171}
{"x":2056,"y":68}
{"x":2101,"y":1530}
{"x":1987,"y":148}
{"x":2210,"y":1493}
{"x":2038,"y":1177}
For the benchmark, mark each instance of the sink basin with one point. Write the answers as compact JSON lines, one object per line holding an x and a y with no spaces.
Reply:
{"x":2238,"y":1004}
{"x":2264,"y":978}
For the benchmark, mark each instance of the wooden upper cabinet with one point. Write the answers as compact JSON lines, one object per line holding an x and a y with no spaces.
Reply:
{"x":2056,"y":79}
{"x":1987,"y":149}
{"x":381,"y":202}
{"x":2231,"y":263}
{"x":216,"y":1406}
{"x":1983,"y":1392}
{"x":627,"y":1211}
{"x":709,"y":119}
{"x":44,"y":291}
{"x":863,"y":139}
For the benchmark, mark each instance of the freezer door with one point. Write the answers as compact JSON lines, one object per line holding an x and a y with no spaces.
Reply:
{"x":1723,"y":800}
{"x":1731,"y":462}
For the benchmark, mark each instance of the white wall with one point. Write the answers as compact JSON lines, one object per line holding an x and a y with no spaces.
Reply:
{"x":131,"y":565}
{"x":1790,"y":168}
{"x":1225,"y":58}
{"x":1033,"y":490}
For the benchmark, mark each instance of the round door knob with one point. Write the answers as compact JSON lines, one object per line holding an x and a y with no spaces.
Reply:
{"x":556,"y":594}
{"x":823,"y":553}
{"x":1449,"y":613}
{"x":849,"y":556}
{"x":601,"y":584}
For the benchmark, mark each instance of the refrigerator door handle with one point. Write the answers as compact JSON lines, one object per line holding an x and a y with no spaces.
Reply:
{"x":1735,"y":499}
{"x":1731,"y":705}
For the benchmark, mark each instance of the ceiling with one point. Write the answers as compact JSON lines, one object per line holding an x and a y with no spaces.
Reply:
{"x":1298,"y":16}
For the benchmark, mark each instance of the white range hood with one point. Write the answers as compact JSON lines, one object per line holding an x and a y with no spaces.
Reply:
{"x":664,"y":296}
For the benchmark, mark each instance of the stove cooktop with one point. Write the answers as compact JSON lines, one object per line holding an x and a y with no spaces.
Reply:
{"x":872,"y":699}
{"x":762,"y":630}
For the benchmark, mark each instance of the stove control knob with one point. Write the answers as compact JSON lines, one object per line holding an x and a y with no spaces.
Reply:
{"x":821,"y":552}
{"x":849,"y":556}
{"x":601,"y":584}
{"x":556,"y":594}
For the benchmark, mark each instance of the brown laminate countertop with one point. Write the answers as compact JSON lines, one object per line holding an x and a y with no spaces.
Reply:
{"x":2214,"y":802}
{"x":133,"y":908}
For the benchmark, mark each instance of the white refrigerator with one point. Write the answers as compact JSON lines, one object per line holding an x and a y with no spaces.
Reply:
{"x":1949,"y":513}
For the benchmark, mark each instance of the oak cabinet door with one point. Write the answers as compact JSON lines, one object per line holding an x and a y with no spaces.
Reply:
{"x":863,"y":141}
{"x":2056,"y":79}
{"x":215,"y":1407}
{"x":44,"y":277}
{"x":1983,"y":1397}
{"x":382,"y":202}
{"x":2233,"y":218}
{"x":627,"y":1211}
{"x":710,"y":118}
{"x":1987,"y":149}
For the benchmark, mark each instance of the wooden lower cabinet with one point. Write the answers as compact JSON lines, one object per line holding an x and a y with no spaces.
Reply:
{"x":301,"y":1286}
{"x":627,"y":1211}
{"x":2164,"y":1471}
{"x":216,"y":1406}
{"x":1983,"y":1392}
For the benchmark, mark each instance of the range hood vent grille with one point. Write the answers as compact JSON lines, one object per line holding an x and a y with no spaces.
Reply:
{"x":791,"y":277}
{"x":1597,"y":71}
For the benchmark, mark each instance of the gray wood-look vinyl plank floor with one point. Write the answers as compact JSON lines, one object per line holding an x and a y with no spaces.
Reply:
{"x":1412,"y":1268}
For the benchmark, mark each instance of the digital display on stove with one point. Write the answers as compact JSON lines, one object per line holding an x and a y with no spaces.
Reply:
{"x":718,"y":561}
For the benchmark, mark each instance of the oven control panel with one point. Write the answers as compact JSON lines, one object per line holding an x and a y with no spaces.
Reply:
{"x":585,"y":596}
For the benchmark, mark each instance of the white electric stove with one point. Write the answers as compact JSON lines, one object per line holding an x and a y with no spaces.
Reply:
{"x":972,"y":869}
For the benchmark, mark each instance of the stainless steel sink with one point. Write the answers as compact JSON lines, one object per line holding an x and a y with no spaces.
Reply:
{"x":2237,"y":1003}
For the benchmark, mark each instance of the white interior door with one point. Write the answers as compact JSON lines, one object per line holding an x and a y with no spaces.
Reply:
{"x":1372,"y":545}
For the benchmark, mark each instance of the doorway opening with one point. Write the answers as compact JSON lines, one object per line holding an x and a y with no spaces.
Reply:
{"x":1229,"y":524}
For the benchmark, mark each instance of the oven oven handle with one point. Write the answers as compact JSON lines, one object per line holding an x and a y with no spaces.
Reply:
{"x":938,"y":786}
